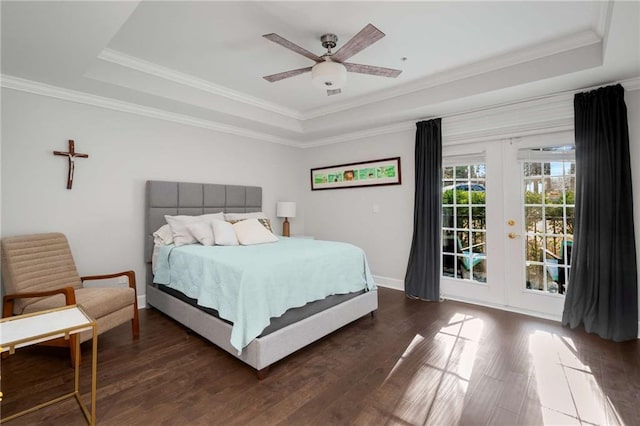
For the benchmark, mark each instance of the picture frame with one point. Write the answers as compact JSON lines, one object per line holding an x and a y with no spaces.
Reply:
{"x":384,"y":171}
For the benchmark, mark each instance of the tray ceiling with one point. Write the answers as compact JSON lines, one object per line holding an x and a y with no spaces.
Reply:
{"x":205,"y":60}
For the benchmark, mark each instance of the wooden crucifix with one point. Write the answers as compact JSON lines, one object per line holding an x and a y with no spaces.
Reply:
{"x":71,"y":155}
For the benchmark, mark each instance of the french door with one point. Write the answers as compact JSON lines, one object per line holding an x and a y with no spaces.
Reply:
{"x":508,"y":222}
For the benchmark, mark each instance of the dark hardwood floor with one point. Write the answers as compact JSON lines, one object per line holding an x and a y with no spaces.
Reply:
{"x":415,"y":363}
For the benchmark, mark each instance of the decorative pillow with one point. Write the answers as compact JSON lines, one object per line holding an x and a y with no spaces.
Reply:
{"x":163,"y":236}
{"x":202,"y":231}
{"x":211,"y":216}
{"x":224,"y":233}
{"x":265,"y":222}
{"x":250,"y":231}
{"x":242,"y":216}
{"x":179,"y":230}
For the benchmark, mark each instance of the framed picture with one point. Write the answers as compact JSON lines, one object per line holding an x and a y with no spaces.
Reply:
{"x":366,"y":173}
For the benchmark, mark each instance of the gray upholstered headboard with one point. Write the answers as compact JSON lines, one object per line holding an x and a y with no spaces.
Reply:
{"x":173,"y":198}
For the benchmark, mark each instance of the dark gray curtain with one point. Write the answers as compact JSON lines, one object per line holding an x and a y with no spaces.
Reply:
{"x":603,"y":287}
{"x":423,"y":271}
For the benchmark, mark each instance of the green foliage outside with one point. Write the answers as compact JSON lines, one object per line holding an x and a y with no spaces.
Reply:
{"x":477,"y":197}
{"x":553,"y":216}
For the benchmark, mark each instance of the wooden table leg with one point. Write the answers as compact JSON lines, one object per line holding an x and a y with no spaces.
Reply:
{"x":94,"y":372}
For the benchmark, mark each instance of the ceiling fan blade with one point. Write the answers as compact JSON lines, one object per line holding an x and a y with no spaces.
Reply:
{"x":282,"y":75}
{"x":291,"y":46}
{"x":333,"y":92}
{"x":365,"y":38}
{"x":368,"y":69}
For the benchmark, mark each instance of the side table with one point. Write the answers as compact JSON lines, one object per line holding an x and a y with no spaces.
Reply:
{"x":25,"y":330}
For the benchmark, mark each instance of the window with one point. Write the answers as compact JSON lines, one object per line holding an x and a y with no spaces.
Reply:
{"x":464,"y":222}
{"x":549,"y":184}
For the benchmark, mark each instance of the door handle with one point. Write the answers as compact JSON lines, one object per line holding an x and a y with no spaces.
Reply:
{"x":512,"y":235}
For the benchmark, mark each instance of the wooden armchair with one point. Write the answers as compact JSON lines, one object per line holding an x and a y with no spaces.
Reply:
{"x":38,"y":273}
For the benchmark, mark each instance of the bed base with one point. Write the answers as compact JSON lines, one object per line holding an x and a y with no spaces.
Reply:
{"x":266,"y":350}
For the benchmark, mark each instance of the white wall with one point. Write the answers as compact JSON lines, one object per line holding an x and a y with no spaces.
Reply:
{"x":632,"y":99}
{"x":347,"y":215}
{"x":103,"y":215}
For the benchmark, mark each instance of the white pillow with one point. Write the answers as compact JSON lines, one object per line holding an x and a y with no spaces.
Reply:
{"x":163,"y":236}
{"x":243,"y":216}
{"x":179,"y":230}
{"x":251,"y":231}
{"x":202,"y":231}
{"x":224,"y":233}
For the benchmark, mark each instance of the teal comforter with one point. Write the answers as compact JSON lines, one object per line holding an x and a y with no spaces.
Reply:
{"x":248,"y":285}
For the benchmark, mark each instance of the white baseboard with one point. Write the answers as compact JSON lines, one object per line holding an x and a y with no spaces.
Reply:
{"x":396,"y":284}
{"x":503,"y":308}
{"x":387,"y":282}
{"x":142,"y":302}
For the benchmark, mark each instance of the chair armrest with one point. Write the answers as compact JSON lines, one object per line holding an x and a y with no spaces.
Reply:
{"x":131,"y":275}
{"x":9,"y":299}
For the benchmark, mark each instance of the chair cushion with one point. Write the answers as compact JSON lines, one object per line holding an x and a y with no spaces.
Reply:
{"x":38,"y":262}
{"x":97,"y":301}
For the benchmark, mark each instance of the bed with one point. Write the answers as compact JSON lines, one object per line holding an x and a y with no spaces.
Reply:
{"x":285,"y":334}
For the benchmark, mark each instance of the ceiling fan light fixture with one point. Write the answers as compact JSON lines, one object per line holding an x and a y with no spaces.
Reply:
{"x":329,"y":75}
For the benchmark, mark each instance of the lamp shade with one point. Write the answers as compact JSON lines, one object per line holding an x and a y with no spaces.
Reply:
{"x":329,"y":75}
{"x":286,"y":209}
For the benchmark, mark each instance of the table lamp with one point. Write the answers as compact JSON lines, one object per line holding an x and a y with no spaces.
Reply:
{"x":286,"y":209}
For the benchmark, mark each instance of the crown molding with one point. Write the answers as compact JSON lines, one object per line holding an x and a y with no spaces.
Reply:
{"x":514,"y":58}
{"x":127,"y":61}
{"x":603,"y":20}
{"x":453,"y":138}
{"x":517,"y":57}
{"x":520,"y":130}
{"x":361,"y":134}
{"x":16,"y":83}
{"x":550,"y":113}
{"x":631,"y":84}
{"x":546,"y":114}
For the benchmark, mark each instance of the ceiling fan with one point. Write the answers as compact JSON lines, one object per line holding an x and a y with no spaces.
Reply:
{"x":330,"y":70}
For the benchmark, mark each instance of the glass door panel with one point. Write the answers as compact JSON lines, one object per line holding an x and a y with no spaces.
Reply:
{"x":507,"y":222}
{"x":472,"y":214}
{"x":464,"y":253}
{"x":539,"y":198}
